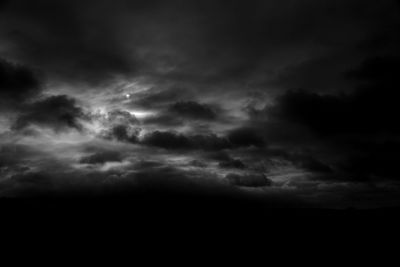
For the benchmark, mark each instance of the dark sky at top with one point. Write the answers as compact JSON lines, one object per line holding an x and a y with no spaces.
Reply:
{"x":289,"y":99}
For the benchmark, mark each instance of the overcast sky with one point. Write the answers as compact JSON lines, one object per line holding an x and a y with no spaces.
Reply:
{"x":294,"y":101}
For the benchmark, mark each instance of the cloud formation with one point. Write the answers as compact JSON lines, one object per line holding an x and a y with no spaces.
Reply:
{"x":55,"y":112}
{"x":193,"y":110}
{"x":18,"y":84}
{"x":293,"y":98}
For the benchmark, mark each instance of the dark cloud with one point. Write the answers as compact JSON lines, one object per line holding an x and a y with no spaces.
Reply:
{"x":193,"y":110}
{"x":210,"y":142}
{"x":314,"y":165}
{"x":369,"y":110}
{"x":10,"y":159}
{"x":190,"y":42}
{"x":239,"y":47}
{"x":18,"y":84}
{"x":379,"y":160}
{"x":310,"y":75}
{"x":248,"y":180}
{"x":236,"y":139}
{"x":224,"y":160}
{"x":120,"y":126}
{"x":232,"y":164}
{"x":319,"y":82}
{"x":305,"y":160}
{"x":69,"y":39}
{"x":171,"y":113}
{"x":178,"y":114}
{"x":102,"y":157}
{"x":159,"y":98}
{"x":155,"y":180}
{"x":167,"y":140}
{"x":173,"y":141}
{"x":28,"y":184}
{"x":199,"y":164}
{"x":218,"y":156}
{"x":164,"y":119}
{"x":121,"y":133}
{"x":245,"y":137}
{"x":318,"y":112}
{"x":378,"y":71}
{"x":55,"y":112}
{"x":353,"y":133}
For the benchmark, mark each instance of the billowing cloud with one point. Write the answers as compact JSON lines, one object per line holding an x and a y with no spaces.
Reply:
{"x":173,"y":141}
{"x":296,"y":99}
{"x":346,"y":131}
{"x":55,"y":112}
{"x":370,"y":109}
{"x":235,"y":139}
{"x":118,"y":125}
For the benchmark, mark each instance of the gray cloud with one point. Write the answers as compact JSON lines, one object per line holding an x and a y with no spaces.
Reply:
{"x":119,"y":125}
{"x":102,"y":157}
{"x":303,"y":89}
{"x":187,"y":42}
{"x":193,"y":110}
{"x":248,"y":180}
{"x":235,"y":139}
{"x":18,"y":84}
{"x":56,"y":112}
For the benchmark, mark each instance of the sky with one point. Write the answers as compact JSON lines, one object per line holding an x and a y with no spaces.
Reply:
{"x":291,"y":102}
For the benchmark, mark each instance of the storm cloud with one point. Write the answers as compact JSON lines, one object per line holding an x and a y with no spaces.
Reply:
{"x":288,"y":98}
{"x":56,"y":112}
{"x":18,"y":84}
{"x":184,"y":41}
{"x":193,"y":110}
